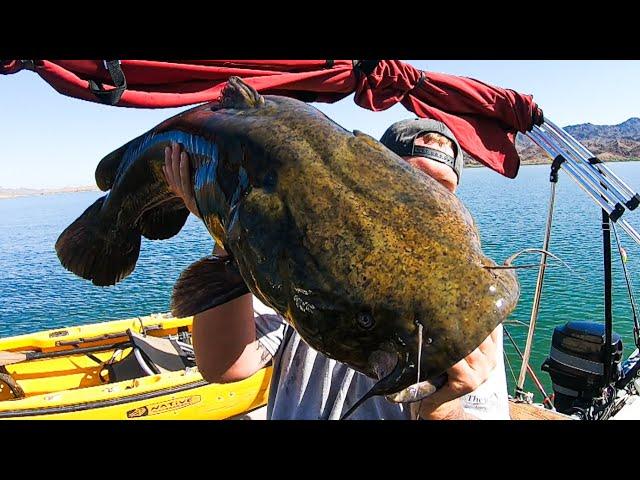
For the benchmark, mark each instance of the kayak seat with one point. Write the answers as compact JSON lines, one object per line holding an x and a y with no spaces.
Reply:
{"x":150,"y":356}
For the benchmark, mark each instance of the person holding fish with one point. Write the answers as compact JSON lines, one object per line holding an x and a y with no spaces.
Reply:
{"x":234,"y":340}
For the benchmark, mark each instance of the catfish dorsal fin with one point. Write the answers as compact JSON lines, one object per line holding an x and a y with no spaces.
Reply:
{"x":207,"y":283}
{"x":240,"y":95}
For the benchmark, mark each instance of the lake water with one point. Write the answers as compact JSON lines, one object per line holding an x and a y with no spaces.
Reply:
{"x":37,"y":293}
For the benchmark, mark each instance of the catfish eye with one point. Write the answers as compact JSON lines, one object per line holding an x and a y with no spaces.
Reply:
{"x":365,"y":321}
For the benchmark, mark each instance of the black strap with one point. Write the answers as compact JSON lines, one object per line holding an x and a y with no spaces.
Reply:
{"x":537,"y":117}
{"x":421,"y":81}
{"x":365,"y":66}
{"x":23,"y":64}
{"x":434,"y":154}
{"x":119,"y":82}
{"x":29,"y":65}
{"x":555,"y":167}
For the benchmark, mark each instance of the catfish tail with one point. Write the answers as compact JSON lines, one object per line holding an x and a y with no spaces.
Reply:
{"x":92,"y":250}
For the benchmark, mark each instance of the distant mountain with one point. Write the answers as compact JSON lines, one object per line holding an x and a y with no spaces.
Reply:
{"x":627,"y":130}
{"x":609,"y":142}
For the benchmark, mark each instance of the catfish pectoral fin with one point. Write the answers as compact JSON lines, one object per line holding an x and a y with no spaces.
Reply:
{"x":88,"y":248}
{"x":209,"y":282}
{"x":163,"y":222}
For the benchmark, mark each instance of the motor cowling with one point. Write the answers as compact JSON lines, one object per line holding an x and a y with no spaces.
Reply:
{"x":576,"y":365}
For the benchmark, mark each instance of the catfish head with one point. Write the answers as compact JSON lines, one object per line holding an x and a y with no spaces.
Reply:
{"x":407,"y":345}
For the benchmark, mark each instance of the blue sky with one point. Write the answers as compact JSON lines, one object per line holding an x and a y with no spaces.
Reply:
{"x":50,"y":140}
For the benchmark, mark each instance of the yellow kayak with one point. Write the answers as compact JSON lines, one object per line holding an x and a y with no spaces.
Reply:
{"x":139,"y":368}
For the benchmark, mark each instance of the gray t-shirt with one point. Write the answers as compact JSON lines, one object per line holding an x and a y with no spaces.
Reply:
{"x":307,"y":385}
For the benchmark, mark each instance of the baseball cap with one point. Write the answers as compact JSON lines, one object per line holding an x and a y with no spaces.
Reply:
{"x":400,"y":138}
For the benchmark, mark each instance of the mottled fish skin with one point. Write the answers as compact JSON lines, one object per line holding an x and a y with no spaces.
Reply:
{"x":331,"y":226}
{"x":347,"y":241}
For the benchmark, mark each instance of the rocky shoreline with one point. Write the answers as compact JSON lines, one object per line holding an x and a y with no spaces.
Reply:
{"x":6,"y":193}
{"x":542,"y":160}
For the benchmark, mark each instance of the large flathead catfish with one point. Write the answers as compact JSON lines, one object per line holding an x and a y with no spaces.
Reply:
{"x":356,"y":248}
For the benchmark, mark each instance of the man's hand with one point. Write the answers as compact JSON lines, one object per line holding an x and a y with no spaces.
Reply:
{"x":464,"y":377}
{"x":176,"y":171}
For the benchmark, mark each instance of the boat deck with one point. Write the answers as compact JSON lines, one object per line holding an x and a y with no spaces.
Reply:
{"x":525,"y":411}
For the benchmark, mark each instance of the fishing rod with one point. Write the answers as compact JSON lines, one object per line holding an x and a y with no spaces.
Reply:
{"x":632,"y":299}
{"x":589,"y":169}
{"x":596,"y":163}
{"x":9,"y":358}
{"x":603,"y":186}
{"x":520,"y":394}
{"x":575,"y":171}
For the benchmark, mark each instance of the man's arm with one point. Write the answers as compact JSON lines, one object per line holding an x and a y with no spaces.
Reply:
{"x":224,"y":337}
{"x":225,"y":344}
{"x":464,"y":377}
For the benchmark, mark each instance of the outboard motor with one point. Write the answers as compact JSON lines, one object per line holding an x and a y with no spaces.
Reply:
{"x":577,"y":369}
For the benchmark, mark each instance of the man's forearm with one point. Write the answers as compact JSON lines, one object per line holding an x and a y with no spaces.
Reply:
{"x":451,"y":410}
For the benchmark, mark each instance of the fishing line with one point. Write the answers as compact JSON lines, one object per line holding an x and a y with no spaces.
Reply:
{"x":419,"y":350}
{"x":636,"y":327}
{"x":515,"y":322}
{"x":507,"y":262}
{"x":419,"y":360}
{"x":506,"y":357}
{"x":537,"y":382}
{"x":513,"y":267}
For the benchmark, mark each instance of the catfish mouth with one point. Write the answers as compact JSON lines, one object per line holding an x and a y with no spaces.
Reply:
{"x":397,"y":374}
{"x":383,"y":363}
{"x":388,"y":369}
{"x":395,"y":371}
